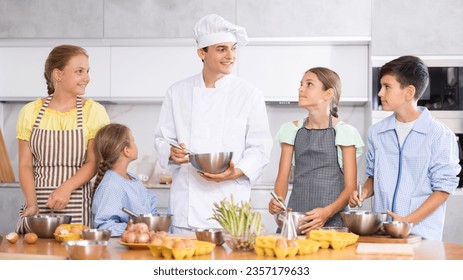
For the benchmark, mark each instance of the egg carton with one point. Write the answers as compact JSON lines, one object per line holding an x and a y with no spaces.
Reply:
{"x":69,"y":236}
{"x":200,"y":248}
{"x":267,"y":246}
{"x":334,"y":239}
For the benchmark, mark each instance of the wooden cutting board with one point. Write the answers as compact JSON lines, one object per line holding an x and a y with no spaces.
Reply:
{"x":388,"y":239}
{"x":6,"y":172}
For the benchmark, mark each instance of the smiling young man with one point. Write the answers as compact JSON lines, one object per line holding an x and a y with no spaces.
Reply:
{"x":412,"y":159}
{"x":213,"y":111}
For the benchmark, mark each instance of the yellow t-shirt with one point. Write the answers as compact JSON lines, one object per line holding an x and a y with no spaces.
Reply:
{"x":94,"y":116}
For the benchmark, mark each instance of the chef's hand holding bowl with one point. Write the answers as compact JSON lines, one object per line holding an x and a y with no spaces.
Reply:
{"x":231,"y":173}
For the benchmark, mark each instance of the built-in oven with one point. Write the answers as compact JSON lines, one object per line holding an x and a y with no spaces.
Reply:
{"x":444,"y":91}
{"x":443,"y":96}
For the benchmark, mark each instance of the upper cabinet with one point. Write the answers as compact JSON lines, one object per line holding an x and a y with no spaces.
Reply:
{"x":22,"y":68}
{"x":277,"y":70}
{"x":147,"y":72}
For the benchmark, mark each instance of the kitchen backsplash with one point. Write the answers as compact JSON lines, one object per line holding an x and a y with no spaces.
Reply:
{"x":142,"y":119}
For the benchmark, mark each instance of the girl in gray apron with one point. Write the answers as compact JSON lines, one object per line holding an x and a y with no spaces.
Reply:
{"x":57,"y":155}
{"x":318,"y":178}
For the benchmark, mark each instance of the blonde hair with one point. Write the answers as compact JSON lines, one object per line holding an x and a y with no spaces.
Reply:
{"x":109,"y":142}
{"x":330,"y":80}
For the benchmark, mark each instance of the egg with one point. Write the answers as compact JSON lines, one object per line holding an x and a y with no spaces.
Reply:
{"x":130,"y":237}
{"x":291,"y":243}
{"x":281,"y":243}
{"x":142,"y":238}
{"x":156,"y":241}
{"x":178,"y":244}
{"x":60,"y":228}
{"x":76,"y":230}
{"x":189,"y":243}
{"x":12,"y":237}
{"x":30,"y":238}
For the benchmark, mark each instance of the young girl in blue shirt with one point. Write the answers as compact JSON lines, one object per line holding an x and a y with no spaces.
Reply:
{"x":115,"y":148}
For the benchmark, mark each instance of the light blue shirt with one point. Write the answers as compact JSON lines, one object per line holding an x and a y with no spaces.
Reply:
{"x":404,"y":177}
{"x":115,"y":192}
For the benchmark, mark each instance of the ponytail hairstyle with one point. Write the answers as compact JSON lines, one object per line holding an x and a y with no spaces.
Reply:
{"x":330,"y":80}
{"x":109,"y":143}
{"x":58,"y":59}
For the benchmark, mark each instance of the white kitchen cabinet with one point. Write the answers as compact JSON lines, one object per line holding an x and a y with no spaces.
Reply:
{"x":278,"y":69}
{"x":147,"y":72}
{"x":22,"y":68}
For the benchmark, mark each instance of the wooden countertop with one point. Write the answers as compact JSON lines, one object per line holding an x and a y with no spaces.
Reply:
{"x":51,"y":249}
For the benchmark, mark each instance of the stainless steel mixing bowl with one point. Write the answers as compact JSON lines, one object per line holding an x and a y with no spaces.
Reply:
{"x":44,"y":225}
{"x":213,"y":163}
{"x":363,"y":222}
{"x":398,"y":229}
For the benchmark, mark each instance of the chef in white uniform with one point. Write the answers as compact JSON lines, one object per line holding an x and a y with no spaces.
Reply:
{"x":213,"y":111}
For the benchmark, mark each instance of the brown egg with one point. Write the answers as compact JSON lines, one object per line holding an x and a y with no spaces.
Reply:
{"x":30,"y":238}
{"x":178,"y":244}
{"x":12,"y":237}
{"x":76,"y":230}
{"x":142,"y":238}
{"x":60,"y":228}
{"x":291,"y":243}
{"x":130,"y":237}
{"x":189,"y":243}
{"x":281,"y":243}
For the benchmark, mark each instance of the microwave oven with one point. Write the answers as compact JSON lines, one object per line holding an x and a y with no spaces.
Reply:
{"x":444,"y":91}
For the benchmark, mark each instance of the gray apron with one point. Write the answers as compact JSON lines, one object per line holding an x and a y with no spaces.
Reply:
{"x":57,"y":156}
{"x":318,"y":178}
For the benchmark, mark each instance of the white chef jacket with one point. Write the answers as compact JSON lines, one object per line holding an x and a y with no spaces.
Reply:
{"x":231,"y":117}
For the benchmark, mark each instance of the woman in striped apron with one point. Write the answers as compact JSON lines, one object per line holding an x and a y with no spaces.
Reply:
{"x":325,"y":153}
{"x":56,"y":159}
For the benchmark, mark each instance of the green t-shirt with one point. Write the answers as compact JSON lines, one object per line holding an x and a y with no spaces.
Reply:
{"x":346,"y":135}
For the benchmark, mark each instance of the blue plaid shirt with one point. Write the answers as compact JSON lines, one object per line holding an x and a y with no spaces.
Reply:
{"x":404,"y":177}
{"x":115,"y":192}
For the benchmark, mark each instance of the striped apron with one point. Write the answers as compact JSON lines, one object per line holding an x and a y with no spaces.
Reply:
{"x":318,"y":178}
{"x":57,"y":156}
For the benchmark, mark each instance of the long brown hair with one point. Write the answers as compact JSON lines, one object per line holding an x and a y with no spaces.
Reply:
{"x":109,"y":142}
{"x":58,"y":59}
{"x":330,"y":80}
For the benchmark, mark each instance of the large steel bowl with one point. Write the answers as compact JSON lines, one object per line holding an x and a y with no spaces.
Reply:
{"x":156,"y":222}
{"x":363,"y":222}
{"x":213,"y":163}
{"x":45,"y":225}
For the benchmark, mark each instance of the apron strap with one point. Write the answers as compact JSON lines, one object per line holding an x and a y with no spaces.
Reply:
{"x":42,"y":110}
{"x":79,"y":112}
{"x":45,"y":106}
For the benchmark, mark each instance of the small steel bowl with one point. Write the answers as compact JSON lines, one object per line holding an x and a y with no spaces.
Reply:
{"x":213,"y":163}
{"x":85,"y":249}
{"x":96,"y":234}
{"x":295,"y":216}
{"x":156,"y":222}
{"x":210,"y":235}
{"x":397,"y":229}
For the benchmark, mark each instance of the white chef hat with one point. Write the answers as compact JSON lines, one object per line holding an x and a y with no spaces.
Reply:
{"x":213,"y":29}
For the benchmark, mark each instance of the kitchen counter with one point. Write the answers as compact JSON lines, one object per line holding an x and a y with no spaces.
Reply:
{"x":51,"y":249}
